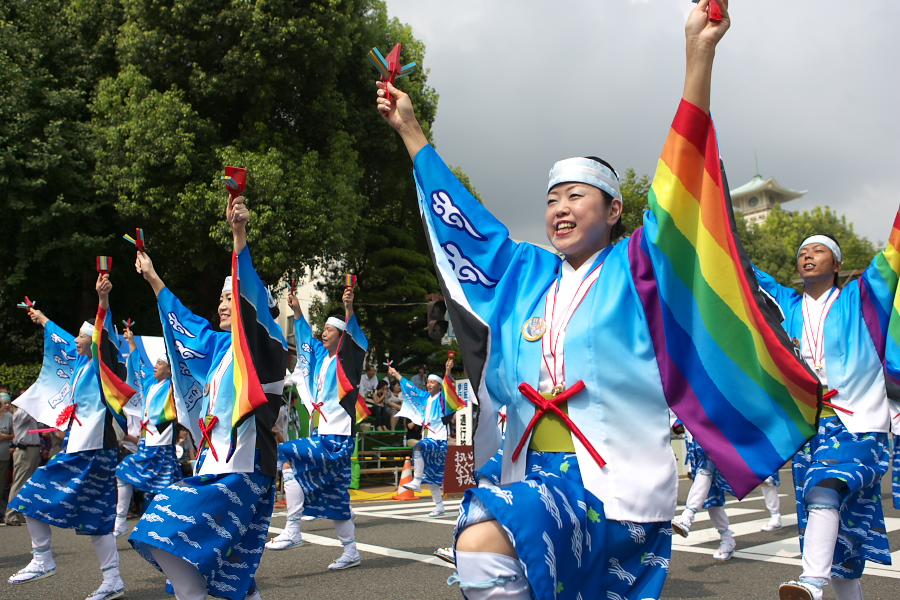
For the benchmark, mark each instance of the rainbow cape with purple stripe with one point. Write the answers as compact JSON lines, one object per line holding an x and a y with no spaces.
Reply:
{"x":712,"y":327}
{"x":675,"y":319}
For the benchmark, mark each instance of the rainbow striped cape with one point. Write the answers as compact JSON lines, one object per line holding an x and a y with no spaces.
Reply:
{"x":881,"y":308}
{"x":713,"y":329}
{"x":260,"y":351}
{"x":115,"y":391}
{"x":451,"y":397}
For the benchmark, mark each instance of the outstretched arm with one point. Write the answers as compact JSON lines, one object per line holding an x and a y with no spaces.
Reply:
{"x":144,"y":266}
{"x":238,"y":215}
{"x":702,"y":35}
{"x":399,"y":114}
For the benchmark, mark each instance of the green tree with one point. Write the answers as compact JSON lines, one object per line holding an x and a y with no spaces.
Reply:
{"x":634,"y":190}
{"x":772,"y":245}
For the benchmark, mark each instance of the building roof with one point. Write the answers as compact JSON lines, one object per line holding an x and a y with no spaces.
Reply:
{"x":758,"y":184}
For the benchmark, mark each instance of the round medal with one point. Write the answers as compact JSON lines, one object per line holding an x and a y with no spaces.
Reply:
{"x":534,"y":329}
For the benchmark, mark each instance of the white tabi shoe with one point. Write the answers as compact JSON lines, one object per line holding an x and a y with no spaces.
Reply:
{"x":798,"y":590}
{"x":414,"y":485}
{"x":446,"y":555}
{"x":283,"y":542}
{"x":726,"y":550}
{"x":682,"y":524}
{"x":438,"y":512}
{"x":347,"y":560}
{"x":108,"y":591}
{"x":773,"y":524}
{"x":35,"y":570}
{"x":307,"y":518}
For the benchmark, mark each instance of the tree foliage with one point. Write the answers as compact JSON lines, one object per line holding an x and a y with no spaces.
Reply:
{"x":773,"y":244}
{"x":121,"y":114}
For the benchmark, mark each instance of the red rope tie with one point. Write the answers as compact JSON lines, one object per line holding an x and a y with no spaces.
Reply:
{"x":552,"y":405}
{"x":828,"y":396}
{"x":318,"y":408}
{"x":205,"y":432}
{"x":144,"y":426}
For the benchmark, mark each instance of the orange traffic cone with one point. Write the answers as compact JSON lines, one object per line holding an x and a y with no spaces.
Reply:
{"x":405,"y":477}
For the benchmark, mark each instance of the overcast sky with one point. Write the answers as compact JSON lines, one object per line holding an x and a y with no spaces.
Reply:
{"x":811,"y":86}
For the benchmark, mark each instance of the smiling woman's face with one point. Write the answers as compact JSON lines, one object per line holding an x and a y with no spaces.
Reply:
{"x":225,"y":311}
{"x":578,"y":220}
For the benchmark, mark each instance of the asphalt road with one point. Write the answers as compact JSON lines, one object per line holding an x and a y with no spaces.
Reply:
{"x":397,"y":539}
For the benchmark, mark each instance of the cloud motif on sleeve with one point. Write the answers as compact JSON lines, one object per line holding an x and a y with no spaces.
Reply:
{"x":187,"y":353}
{"x":59,"y":360}
{"x":57,"y":339}
{"x":62,"y":374}
{"x":177,"y":326}
{"x":466,"y":271}
{"x":449,"y":213}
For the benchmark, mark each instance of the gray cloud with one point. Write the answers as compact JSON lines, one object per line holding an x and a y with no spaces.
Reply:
{"x":809,"y":85}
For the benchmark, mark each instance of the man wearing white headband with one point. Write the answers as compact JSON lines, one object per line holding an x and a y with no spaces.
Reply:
{"x":76,"y":488}
{"x":838,"y":472}
{"x":153,"y":466}
{"x":317,"y":469}
{"x":430,"y":410}
{"x":231,"y":410}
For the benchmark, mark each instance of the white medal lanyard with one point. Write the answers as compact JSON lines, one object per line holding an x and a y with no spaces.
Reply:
{"x":815,"y":338}
{"x":216,"y":382}
{"x":553,"y":342}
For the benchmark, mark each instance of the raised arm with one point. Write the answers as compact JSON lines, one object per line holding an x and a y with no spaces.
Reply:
{"x":702,"y":35}
{"x":400,"y":115}
{"x":238,"y":216}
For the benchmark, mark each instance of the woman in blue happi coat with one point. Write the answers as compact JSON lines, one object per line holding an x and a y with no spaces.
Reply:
{"x":429,"y":409}
{"x":76,"y":489}
{"x":206,"y":533}
{"x":584,"y":514}
{"x":317,"y":469}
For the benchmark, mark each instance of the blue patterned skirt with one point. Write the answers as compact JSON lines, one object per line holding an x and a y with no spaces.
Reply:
{"x":895,"y":483}
{"x":697,"y":458}
{"x":434,"y":453}
{"x":321,"y":466}
{"x":218,"y":523}
{"x":74,"y":490}
{"x":568,"y":548}
{"x":151,"y":468}
{"x":858,"y":460}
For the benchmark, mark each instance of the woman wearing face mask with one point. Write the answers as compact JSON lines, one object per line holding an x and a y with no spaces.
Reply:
{"x":837,"y":475}
{"x":204,"y":531}
{"x":76,"y":489}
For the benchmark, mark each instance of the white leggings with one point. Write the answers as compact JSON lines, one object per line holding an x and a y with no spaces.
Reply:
{"x":104,"y":545}
{"x":185,"y":578}
{"x":490,"y":576}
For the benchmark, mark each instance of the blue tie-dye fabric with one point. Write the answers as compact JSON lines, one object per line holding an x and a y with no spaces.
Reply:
{"x":75,"y":490}
{"x":218,"y":523}
{"x":568,"y":548}
{"x":859,"y":460}
{"x":322,"y":467}
{"x":434,"y":453}
{"x":151,"y":468}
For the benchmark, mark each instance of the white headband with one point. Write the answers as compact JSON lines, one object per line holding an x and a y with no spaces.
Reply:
{"x":585,"y":170}
{"x":162,"y":357}
{"x":825,"y":241}
{"x":226,"y":287}
{"x":87,"y":329}
{"x":434,"y":377}
{"x":336,"y":323}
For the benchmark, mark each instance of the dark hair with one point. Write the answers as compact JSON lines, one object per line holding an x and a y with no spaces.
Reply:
{"x":381,"y":384}
{"x":340,"y":318}
{"x":618,"y":229}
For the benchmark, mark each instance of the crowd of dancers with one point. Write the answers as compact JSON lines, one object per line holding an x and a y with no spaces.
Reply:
{"x":577,"y":499}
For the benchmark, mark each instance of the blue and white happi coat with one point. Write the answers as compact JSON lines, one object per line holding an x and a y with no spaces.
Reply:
{"x":698,"y":459}
{"x":860,"y":461}
{"x":74,"y":490}
{"x":431,"y":412}
{"x":218,"y":520}
{"x":218,"y":523}
{"x":154,"y":465}
{"x":895,"y":483}
{"x":567,"y":547}
{"x":322,"y":462}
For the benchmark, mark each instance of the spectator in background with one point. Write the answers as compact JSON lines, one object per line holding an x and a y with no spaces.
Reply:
{"x":378,"y":405}
{"x":188,"y":451}
{"x":6,"y":436}
{"x":26,"y":448}
{"x":420,"y":378}
{"x":394,"y":403}
{"x":368,"y":383}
